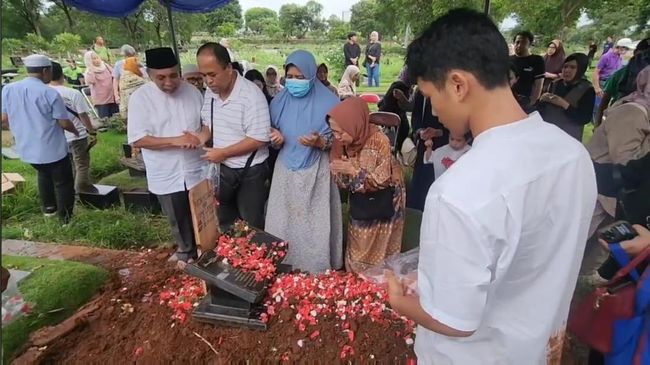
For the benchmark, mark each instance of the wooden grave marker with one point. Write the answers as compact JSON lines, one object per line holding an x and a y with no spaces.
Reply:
{"x":204,"y":215}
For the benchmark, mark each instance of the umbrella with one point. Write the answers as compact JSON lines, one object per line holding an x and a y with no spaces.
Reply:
{"x":120,"y":9}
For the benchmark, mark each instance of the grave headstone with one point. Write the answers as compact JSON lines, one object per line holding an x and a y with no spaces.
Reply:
{"x":234,"y":296}
{"x":106,"y":196}
{"x":141,"y":200}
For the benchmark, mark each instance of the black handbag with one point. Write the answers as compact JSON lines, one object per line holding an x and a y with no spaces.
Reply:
{"x":375,"y":205}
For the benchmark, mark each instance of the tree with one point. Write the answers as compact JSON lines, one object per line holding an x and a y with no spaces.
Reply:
{"x":132,"y":24}
{"x":30,"y":11}
{"x":13,"y":24}
{"x":258,"y":18}
{"x":294,"y":20}
{"x":364,"y":17}
{"x":337,"y":29}
{"x":226,"y":30}
{"x":230,"y":13}
{"x":66,"y":43}
{"x":61,"y":4}
{"x":314,"y":20}
{"x":156,"y":15}
{"x":272,"y":29}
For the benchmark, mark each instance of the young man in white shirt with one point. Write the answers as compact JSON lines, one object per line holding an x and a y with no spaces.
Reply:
{"x":78,"y":146}
{"x":504,"y":230}
{"x":238,"y":114}
{"x":163,"y":114}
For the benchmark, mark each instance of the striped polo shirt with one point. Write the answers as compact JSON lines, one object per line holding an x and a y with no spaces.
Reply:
{"x":245,"y":113}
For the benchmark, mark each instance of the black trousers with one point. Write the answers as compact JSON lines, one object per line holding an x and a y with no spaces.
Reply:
{"x":243,"y":197}
{"x":176,"y":207}
{"x":56,"y":187}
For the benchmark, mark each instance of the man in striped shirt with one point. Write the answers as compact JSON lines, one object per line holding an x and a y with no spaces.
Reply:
{"x":238,"y":115}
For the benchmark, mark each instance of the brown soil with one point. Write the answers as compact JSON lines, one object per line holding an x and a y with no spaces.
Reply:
{"x":109,"y":332}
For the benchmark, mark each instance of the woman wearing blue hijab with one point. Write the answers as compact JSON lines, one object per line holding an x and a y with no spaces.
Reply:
{"x":304,"y":205}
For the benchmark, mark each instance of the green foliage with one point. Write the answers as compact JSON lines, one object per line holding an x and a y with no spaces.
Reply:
{"x":11,"y":46}
{"x":339,"y":31}
{"x":66,"y":43}
{"x":14,"y":24}
{"x":226,"y":30}
{"x":365,"y":17}
{"x":272,"y":29}
{"x":230,"y":13}
{"x":334,"y":60}
{"x":55,"y":289}
{"x":294,"y":20}
{"x":36,"y":43}
{"x":258,"y":18}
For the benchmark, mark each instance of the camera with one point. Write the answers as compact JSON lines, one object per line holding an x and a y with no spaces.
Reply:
{"x":617,"y":232}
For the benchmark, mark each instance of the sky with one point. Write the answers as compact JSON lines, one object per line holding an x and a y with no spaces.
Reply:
{"x":330,"y":7}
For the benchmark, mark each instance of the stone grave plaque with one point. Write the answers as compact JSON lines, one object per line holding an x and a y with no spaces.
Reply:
{"x":204,"y":215}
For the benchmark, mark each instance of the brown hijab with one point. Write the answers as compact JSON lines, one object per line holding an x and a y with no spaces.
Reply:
{"x":353,"y":116}
{"x":554,"y":63}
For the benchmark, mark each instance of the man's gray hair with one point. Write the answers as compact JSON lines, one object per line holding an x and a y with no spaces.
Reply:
{"x":128,"y":51}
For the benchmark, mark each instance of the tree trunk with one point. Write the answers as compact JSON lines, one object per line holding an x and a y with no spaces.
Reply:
{"x":66,"y":10}
{"x":159,"y":35}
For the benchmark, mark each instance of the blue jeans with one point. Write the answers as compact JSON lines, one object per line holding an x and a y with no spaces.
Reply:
{"x":373,"y":75}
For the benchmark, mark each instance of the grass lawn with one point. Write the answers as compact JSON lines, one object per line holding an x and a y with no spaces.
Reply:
{"x":55,"y":289}
{"x":124,"y":181}
{"x":112,"y":228}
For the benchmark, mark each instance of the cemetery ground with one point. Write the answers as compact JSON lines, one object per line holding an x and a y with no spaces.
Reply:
{"x":126,"y":313}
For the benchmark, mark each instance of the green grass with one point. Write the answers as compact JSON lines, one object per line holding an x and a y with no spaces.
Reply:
{"x":55,"y":290}
{"x":105,"y":156}
{"x":113,"y":228}
{"x":124,"y":181}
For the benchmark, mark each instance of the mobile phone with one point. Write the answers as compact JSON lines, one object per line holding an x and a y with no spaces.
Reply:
{"x":617,"y":232}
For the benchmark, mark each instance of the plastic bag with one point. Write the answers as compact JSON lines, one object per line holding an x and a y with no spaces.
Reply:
{"x":405,"y":267}
{"x":212,"y":172}
{"x":13,"y":304}
{"x":13,"y":308}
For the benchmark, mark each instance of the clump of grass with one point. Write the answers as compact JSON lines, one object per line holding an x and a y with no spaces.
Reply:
{"x":60,"y":287}
{"x":113,"y":228}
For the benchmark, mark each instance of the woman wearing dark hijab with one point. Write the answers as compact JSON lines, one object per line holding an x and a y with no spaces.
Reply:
{"x":553,"y":61}
{"x":570,"y":101}
{"x":257,"y":78}
{"x":390,"y":104}
{"x":425,"y":126}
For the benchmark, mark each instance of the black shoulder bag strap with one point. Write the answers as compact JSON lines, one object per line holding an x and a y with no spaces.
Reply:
{"x":76,"y":115}
{"x":210,"y":143}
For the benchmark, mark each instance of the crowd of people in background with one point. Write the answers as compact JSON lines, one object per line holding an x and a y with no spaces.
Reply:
{"x":220,"y":111}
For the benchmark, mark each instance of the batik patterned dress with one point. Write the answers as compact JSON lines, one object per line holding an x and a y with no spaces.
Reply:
{"x":370,"y":242}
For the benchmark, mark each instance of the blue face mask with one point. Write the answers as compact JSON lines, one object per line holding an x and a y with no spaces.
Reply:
{"x":297,"y":88}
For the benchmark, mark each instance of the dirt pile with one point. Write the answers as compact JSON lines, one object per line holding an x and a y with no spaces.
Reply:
{"x":128,"y":324}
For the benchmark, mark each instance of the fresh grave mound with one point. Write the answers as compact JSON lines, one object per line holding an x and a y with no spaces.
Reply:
{"x":144,"y":316}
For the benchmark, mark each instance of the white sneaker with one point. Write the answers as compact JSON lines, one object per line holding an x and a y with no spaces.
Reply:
{"x":595,"y":279}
